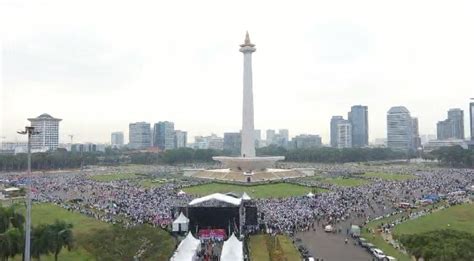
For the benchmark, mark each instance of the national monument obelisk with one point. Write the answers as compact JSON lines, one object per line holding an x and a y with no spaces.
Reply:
{"x":248,"y":163}
{"x":248,"y":130}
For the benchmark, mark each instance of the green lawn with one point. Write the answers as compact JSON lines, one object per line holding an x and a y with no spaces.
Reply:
{"x":345,"y":182}
{"x":389,"y":176}
{"x":83,"y":225}
{"x":459,"y":217}
{"x":278,"y":190}
{"x":291,"y":253}
{"x":258,"y":248}
{"x":113,"y":177}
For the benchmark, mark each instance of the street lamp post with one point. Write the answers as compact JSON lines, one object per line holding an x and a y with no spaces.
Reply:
{"x":30,"y":131}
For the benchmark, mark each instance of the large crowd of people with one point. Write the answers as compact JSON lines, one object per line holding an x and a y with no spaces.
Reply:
{"x":125,"y":201}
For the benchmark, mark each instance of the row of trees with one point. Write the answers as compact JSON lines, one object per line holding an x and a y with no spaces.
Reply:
{"x":454,"y":156}
{"x":446,"y":244}
{"x":62,"y":159}
{"x":141,"y":242}
{"x":332,"y":155}
{"x":46,"y":239}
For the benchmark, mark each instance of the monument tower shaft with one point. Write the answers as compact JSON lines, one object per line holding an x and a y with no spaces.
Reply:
{"x":248,"y":129}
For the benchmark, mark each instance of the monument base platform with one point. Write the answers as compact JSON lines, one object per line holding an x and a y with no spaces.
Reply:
{"x":248,"y":165}
{"x":228,"y":175}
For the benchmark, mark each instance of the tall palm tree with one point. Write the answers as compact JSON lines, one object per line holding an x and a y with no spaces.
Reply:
{"x":39,"y":241}
{"x":59,"y":236}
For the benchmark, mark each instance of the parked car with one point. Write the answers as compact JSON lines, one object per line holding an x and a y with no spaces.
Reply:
{"x":362,"y":242}
{"x":369,"y":246}
{"x":378,"y":253}
{"x":390,"y":258}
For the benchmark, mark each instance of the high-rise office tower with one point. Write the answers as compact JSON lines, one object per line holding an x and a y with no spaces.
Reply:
{"x":334,"y":121}
{"x":116,"y":139}
{"x":471,"y":119}
{"x":232,"y":142}
{"x":139,"y":135}
{"x":270,"y":136}
{"x":285,"y":134}
{"x":416,"y":140}
{"x":163,"y":135}
{"x":344,"y":134}
{"x":457,"y":117}
{"x":305,"y":141}
{"x":358,"y":117}
{"x":399,"y":129}
{"x":445,"y":129}
{"x":180,"y":139}
{"x":48,"y":128}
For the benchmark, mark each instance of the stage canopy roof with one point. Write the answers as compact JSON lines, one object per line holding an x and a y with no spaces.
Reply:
{"x":181,"y":220}
{"x":232,"y":250}
{"x":219,"y":197}
{"x":187,"y":249}
{"x":245,"y":196}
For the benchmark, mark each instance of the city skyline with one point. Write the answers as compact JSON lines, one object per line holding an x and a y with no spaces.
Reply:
{"x":343,"y":58}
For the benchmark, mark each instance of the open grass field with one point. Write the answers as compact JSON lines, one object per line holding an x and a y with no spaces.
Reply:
{"x":259,"y":249}
{"x":388,"y":176}
{"x":83,"y":227}
{"x":345,"y":182}
{"x":459,"y":217}
{"x":278,"y":190}
{"x":113,"y":177}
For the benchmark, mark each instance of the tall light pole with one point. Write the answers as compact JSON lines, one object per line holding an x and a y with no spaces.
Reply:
{"x":30,"y":131}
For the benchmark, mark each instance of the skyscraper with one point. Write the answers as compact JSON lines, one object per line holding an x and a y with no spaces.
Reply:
{"x":471,"y":119}
{"x":163,"y":135}
{"x":270,"y":136}
{"x":358,"y":117}
{"x":116,"y":139}
{"x":399,"y":129}
{"x":344,"y":134}
{"x":444,"y":129}
{"x":416,"y":140}
{"x":258,"y":138}
{"x":48,"y":128}
{"x":139,"y":135}
{"x":457,"y":117}
{"x":180,"y":139}
{"x":334,"y":121}
{"x":232,"y":142}
{"x":305,"y":141}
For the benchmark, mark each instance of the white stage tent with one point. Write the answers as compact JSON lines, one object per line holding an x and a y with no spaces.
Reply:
{"x":181,"y":223}
{"x":245,"y":196}
{"x":232,"y":250}
{"x":187,"y":249}
{"x":218,"y":197}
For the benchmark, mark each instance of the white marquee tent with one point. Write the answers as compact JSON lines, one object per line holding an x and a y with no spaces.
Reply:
{"x":232,"y":250}
{"x":245,"y":196}
{"x":187,"y":249}
{"x":310,"y":195}
{"x":181,"y":223}
{"x":218,"y":197}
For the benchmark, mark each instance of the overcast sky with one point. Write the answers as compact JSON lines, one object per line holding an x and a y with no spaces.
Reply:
{"x":100,"y":65}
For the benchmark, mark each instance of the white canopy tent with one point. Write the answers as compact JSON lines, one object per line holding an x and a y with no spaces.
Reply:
{"x":232,"y":250}
{"x":245,"y":196}
{"x":187,"y":249}
{"x":218,"y":197}
{"x":310,"y":195}
{"x":181,"y":223}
